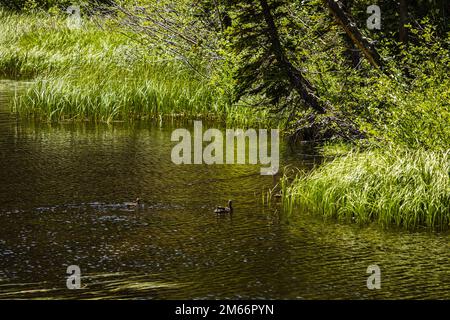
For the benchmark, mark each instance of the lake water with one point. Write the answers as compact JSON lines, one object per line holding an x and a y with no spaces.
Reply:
{"x":62,"y":194}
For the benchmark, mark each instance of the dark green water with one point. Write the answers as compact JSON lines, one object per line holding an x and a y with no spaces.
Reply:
{"x":62,"y":194}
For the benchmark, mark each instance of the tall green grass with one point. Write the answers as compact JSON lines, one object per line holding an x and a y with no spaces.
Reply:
{"x":101,"y":75}
{"x":406,"y":188}
{"x":107,"y":93}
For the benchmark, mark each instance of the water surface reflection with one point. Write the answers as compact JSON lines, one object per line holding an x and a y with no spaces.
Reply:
{"x":62,"y":194}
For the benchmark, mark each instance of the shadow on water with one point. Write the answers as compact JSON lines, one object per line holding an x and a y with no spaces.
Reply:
{"x":63,"y":189}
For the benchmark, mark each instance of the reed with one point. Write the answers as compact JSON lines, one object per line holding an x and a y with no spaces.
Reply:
{"x":405,"y":188}
{"x":93,"y":74}
{"x":108,"y":94}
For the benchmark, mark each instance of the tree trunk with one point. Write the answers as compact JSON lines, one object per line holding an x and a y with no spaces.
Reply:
{"x":304,"y":88}
{"x":351,"y":52}
{"x":349,"y":26}
{"x":403,"y":33}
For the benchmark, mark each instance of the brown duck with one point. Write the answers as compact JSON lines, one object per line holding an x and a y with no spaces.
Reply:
{"x":228,"y":209}
{"x":133,"y":205}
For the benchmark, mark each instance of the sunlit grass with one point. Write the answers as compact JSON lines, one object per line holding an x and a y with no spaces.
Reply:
{"x":405,"y":188}
{"x":110,"y":94}
{"x":100,"y":75}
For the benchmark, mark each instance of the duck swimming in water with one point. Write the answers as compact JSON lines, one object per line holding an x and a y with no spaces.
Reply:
{"x":133,"y":205}
{"x":228,"y":209}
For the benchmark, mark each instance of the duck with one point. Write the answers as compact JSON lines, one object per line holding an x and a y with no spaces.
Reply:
{"x":228,"y":209}
{"x":134,"y":205}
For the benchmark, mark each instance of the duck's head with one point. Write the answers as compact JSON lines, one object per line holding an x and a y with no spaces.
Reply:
{"x":138,"y":201}
{"x":230,"y":203}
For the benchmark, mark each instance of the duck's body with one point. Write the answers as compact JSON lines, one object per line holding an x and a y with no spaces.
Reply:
{"x":228,"y":209}
{"x":134,"y":205}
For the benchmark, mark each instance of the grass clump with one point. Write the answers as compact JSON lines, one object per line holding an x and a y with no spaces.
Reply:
{"x":106,"y":94}
{"x":406,"y":188}
{"x":110,"y":93}
{"x":99,"y":74}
